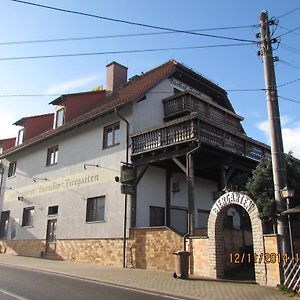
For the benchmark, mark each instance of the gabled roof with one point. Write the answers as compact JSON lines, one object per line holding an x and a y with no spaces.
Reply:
{"x":130,"y":92}
{"x":24,"y":119}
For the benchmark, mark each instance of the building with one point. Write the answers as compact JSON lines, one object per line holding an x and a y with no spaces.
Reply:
{"x":60,"y":193}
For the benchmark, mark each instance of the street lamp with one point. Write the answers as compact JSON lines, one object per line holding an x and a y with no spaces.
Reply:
{"x":287,"y":193}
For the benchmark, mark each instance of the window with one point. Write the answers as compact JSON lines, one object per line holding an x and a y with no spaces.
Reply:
{"x":157,"y":216}
{"x":203,"y":215}
{"x":12,"y":169}
{"x":111,"y":136}
{"x":20,"y":137}
{"x":4,"y":224}
{"x":52,"y":156}
{"x":28,"y":213}
{"x":53,"y":210}
{"x":60,"y":117}
{"x":95,"y":209}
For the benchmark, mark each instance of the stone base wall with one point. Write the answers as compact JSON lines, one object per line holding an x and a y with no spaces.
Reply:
{"x":200,"y":256}
{"x":152,"y":248}
{"x":147,"y":248}
{"x":33,"y":248}
{"x":273,"y":271}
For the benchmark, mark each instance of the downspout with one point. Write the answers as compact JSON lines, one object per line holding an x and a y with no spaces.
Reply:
{"x":2,"y":175}
{"x":125,"y":204}
{"x":187,"y":168}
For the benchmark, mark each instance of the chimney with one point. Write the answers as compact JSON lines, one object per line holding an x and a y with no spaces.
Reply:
{"x":116,"y":76}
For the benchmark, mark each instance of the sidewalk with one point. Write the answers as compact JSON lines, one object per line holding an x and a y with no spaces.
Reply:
{"x":146,"y":280}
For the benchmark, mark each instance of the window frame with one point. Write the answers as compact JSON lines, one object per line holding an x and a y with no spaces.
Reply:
{"x":154,"y":218}
{"x":28,"y":218}
{"x":62,"y":110}
{"x":113,"y":127}
{"x":52,"y":150}
{"x":19,"y":141}
{"x":51,"y":207}
{"x":92,"y":210}
{"x":12,"y":169}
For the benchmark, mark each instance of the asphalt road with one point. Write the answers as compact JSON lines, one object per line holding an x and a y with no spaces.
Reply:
{"x":22,"y":284}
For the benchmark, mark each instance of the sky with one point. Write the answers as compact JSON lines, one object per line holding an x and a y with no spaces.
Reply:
{"x":232,"y":68}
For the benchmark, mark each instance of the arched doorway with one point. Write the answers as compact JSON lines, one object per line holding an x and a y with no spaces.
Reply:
{"x":237,"y":243}
{"x":215,"y":234}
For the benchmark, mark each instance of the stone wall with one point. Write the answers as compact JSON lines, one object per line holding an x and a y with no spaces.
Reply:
{"x":147,"y":248}
{"x":152,"y":248}
{"x":31,"y":248}
{"x":200,"y":256}
{"x":273,"y":273}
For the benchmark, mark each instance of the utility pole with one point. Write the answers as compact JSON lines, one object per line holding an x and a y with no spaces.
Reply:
{"x":278,"y":162}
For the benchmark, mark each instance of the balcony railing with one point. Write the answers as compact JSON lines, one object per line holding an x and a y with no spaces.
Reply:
{"x":172,"y":133}
{"x":191,"y":128}
{"x":184,"y":103}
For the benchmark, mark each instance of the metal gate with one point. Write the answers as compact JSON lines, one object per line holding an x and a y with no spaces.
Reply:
{"x":292,"y":275}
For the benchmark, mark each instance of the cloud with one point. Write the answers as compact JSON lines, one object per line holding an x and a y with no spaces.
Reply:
{"x":290,"y":134}
{"x":73,"y":84}
{"x":7,"y":129}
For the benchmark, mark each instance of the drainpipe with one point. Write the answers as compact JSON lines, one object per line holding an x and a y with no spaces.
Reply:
{"x":125,"y":202}
{"x":2,"y":175}
{"x":190,"y":194}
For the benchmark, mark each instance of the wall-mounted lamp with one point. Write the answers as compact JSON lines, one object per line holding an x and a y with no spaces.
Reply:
{"x":20,"y":198}
{"x":35,"y":179}
{"x":90,"y":165}
{"x":176,"y":188}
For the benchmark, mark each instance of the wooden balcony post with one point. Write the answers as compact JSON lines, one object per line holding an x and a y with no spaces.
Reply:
{"x":191,"y":196}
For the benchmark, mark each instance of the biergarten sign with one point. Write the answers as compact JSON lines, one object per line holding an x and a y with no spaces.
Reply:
{"x":233,"y":198}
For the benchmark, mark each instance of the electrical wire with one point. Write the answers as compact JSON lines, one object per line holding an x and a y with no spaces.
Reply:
{"x":289,"y":64}
{"x":289,"y":99}
{"x":289,"y":82}
{"x":290,"y":48}
{"x":288,"y":32}
{"x":123,"y":51}
{"x":22,"y":42}
{"x":286,"y":29}
{"x":289,"y":12}
{"x":130,"y":22}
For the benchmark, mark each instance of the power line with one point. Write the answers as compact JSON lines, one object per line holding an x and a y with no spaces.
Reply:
{"x":286,"y":29}
{"x":289,"y":82}
{"x":290,"y":48}
{"x":122,"y":51}
{"x":22,"y":42}
{"x":289,"y":64}
{"x":289,"y":99}
{"x":289,"y":12}
{"x":130,"y":22}
{"x":246,"y":90}
{"x":283,"y":34}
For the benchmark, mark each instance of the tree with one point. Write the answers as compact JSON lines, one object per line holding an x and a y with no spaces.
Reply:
{"x":259,"y":186}
{"x":261,"y":189}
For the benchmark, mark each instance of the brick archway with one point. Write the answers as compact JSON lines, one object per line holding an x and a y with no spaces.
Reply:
{"x":215,"y":242}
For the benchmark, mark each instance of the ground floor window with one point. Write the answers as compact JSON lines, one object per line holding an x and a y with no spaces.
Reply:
{"x":4,"y":224}
{"x":95,"y":209}
{"x":157,"y":216}
{"x":28,"y":213}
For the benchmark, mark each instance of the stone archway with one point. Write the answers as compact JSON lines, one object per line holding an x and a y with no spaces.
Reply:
{"x":215,"y":246}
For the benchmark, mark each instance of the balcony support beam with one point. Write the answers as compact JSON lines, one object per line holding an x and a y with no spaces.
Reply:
{"x":179,"y":164}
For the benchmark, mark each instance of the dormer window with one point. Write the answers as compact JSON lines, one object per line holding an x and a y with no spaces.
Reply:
{"x":59,"y":117}
{"x":20,"y":137}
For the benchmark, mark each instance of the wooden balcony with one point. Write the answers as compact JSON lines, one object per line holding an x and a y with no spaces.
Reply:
{"x":193,"y":128}
{"x":172,"y":133}
{"x":184,"y":103}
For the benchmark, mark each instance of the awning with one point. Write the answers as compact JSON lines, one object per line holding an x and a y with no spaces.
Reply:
{"x":292,"y":211}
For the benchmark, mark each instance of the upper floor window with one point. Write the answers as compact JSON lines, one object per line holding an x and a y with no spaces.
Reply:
{"x":59,"y":117}
{"x":12,"y":168}
{"x":53,"y":210}
{"x":95,"y":209}
{"x":27,"y":219}
{"x":52,"y":156}
{"x":20,"y":137}
{"x":111,"y":135}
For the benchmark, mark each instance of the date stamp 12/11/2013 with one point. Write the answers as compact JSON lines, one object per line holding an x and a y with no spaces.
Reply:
{"x":268,"y":258}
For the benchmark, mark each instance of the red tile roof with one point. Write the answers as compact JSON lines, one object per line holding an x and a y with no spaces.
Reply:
{"x":133,"y":90}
